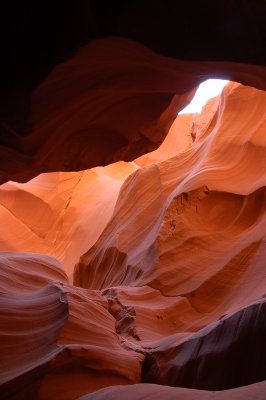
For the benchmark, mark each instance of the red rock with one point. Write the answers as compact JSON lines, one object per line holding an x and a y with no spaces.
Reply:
{"x":95,"y":109}
{"x":158,"y":392}
{"x":172,"y":281}
{"x":51,"y":331}
{"x":70,"y":211}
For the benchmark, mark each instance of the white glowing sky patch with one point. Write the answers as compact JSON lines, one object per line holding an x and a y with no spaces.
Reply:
{"x":206,"y":90}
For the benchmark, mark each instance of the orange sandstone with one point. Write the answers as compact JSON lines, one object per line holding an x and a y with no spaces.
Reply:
{"x":172,"y":277}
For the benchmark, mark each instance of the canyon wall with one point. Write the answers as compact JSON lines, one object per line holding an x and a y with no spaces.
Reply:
{"x":167,"y":256}
{"x":114,"y":100}
{"x":132,"y":240}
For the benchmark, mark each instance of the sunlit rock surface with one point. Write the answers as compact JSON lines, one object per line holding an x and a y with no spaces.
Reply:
{"x":60,"y":213}
{"x":169,"y":291}
{"x":114,"y":100}
{"x":185,"y":261}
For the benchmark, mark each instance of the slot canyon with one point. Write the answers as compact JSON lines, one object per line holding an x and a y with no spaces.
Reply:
{"x":132,"y":235}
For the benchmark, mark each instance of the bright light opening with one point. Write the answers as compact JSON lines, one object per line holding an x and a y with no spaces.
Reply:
{"x":207,"y":90}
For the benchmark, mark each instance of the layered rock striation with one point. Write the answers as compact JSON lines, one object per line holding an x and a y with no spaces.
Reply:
{"x":167,"y":255}
{"x":114,"y":100}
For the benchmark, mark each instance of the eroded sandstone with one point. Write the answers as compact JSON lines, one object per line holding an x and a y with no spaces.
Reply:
{"x":170,"y":285}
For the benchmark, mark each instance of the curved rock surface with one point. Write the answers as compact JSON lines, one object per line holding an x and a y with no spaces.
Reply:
{"x":57,"y":341}
{"x":157,"y":392}
{"x":70,"y":211}
{"x":171,"y":289}
{"x":95,"y":108}
{"x":202,"y":198}
{"x":189,"y":250}
{"x":214,"y":358}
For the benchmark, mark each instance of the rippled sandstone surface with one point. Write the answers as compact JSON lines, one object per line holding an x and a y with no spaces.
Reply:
{"x":167,"y":257}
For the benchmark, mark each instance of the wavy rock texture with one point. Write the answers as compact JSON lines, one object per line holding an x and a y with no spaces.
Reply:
{"x":70,"y":211}
{"x":171,"y":289}
{"x":157,"y":392}
{"x":95,"y":108}
{"x":203,"y":197}
{"x":182,"y":267}
{"x":57,"y":341}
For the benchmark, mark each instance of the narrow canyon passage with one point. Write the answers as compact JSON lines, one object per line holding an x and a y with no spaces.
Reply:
{"x":147,"y":273}
{"x":133,"y":200}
